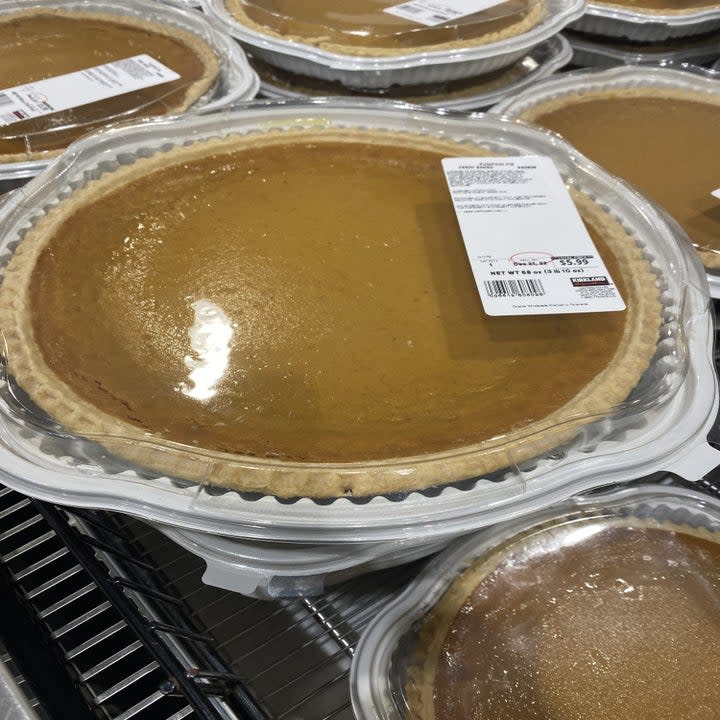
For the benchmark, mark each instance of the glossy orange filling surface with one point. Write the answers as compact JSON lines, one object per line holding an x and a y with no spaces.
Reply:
{"x":308,"y":301}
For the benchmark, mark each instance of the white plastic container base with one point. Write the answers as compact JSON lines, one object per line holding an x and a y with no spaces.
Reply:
{"x":277,"y":570}
{"x":641,"y":26}
{"x":385,"y":653}
{"x":685,"y":77}
{"x":670,"y":435}
{"x":434,"y":67}
{"x":714,"y":284}
{"x":589,"y":53}
{"x":541,"y":62}
{"x":237,"y":81}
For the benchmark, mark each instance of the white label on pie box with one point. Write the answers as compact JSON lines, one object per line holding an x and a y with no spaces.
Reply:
{"x":529,"y":250}
{"x":438,"y":12}
{"x":716,"y":193}
{"x":62,"y":92}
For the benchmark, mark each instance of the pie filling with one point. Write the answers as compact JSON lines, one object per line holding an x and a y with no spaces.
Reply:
{"x":666,"y":146}
{"x":310,"y":301}
{"x":364,"y":23}
{"x":589,"y":619}
{"x":43,"y":44}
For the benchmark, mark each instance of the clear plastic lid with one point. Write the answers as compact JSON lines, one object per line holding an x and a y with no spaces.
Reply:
{"x":645,"y":23}
{"x":463,"y":94}
{"x":604,"y":607}
{"x":210,"y":340}
{"x":193,"y":67}
{"x":410,"y":56}
{"x":672,"y":12}
{"x":596,"y":51}
{"x":373,"y":25}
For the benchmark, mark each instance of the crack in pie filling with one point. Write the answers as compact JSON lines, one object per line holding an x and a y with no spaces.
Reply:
{"x":361,"y":27}
{"x":294,"y":313}
{"x":45,"y":42}
{"x":604,"y":618}
{"x":664,"y":141}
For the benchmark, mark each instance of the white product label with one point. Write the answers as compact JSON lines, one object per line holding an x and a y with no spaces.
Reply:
{"x":80,"y":88}
{"x":528,"y":247}
{"x":438,"y":12}
{"x":716,"y":193}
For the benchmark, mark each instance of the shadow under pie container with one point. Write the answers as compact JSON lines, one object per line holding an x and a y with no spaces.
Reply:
{"x":605,"y":603}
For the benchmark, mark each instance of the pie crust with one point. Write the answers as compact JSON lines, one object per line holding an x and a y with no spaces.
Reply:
{"x":710,"y":258}
{"x":179,"y":102}
{"x":288,"y":478}
{"x":531,"y":18}
{"x":663,"y":7}
{"x":439,"y":636}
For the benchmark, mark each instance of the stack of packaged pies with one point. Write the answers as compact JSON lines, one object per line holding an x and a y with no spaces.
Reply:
{"x":435,"y":53}
{"x":262,"y":329}
{"x":656,"y":128}
{"x":608,"y":606}
{"x":70,"y":67}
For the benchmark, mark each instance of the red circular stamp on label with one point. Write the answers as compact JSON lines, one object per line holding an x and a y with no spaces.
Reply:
{"x":531,"y":258}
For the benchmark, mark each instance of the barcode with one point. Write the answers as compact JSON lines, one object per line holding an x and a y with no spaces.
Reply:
{"x":5,"y":100}
{"x":514,"y":288}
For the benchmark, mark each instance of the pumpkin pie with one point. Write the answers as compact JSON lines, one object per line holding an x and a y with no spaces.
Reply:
{"x":362,"y":27}
{"x":604,"y":618}
{"x":44,"y":42}
{"x":664,"y":141}
{"x":293,"y":312}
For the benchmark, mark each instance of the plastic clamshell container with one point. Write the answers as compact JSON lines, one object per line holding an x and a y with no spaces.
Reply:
{"x":690,"y":78}
{"x":277,"y":570}
{"x":236,"y":81}
{"x":646,"y":26}
{"x":589,"y":52}
{"x":387,"y":650}
{"x":541,"y":62}
{"x":411,"y":68}
{"x":663,"y":427}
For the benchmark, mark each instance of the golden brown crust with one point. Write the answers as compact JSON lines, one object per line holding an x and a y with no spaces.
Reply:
{"x":655,"y":11}
{"x":285,"y":479}
{"x":181,"y":103}
{"x":710,"y":258}
{"x":534,"y":17}
{"x":431,"y":637}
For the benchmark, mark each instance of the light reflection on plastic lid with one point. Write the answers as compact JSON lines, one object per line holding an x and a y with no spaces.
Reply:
{"x":210,"y":337}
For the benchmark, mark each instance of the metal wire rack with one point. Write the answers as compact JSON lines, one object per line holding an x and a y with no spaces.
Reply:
{"x":140,"y":636}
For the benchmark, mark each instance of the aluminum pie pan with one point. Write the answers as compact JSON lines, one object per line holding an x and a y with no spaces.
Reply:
{"x":689,"y":78}
{"x":645,"y":26}
{"x":283,"y":570}
{"x":237,"y":81}
{"x":61,"y":468}
{"x":587,"y":53}
{"x":541,"y":62}
{"x":378,"y":671}
{"x":434,"y":67}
